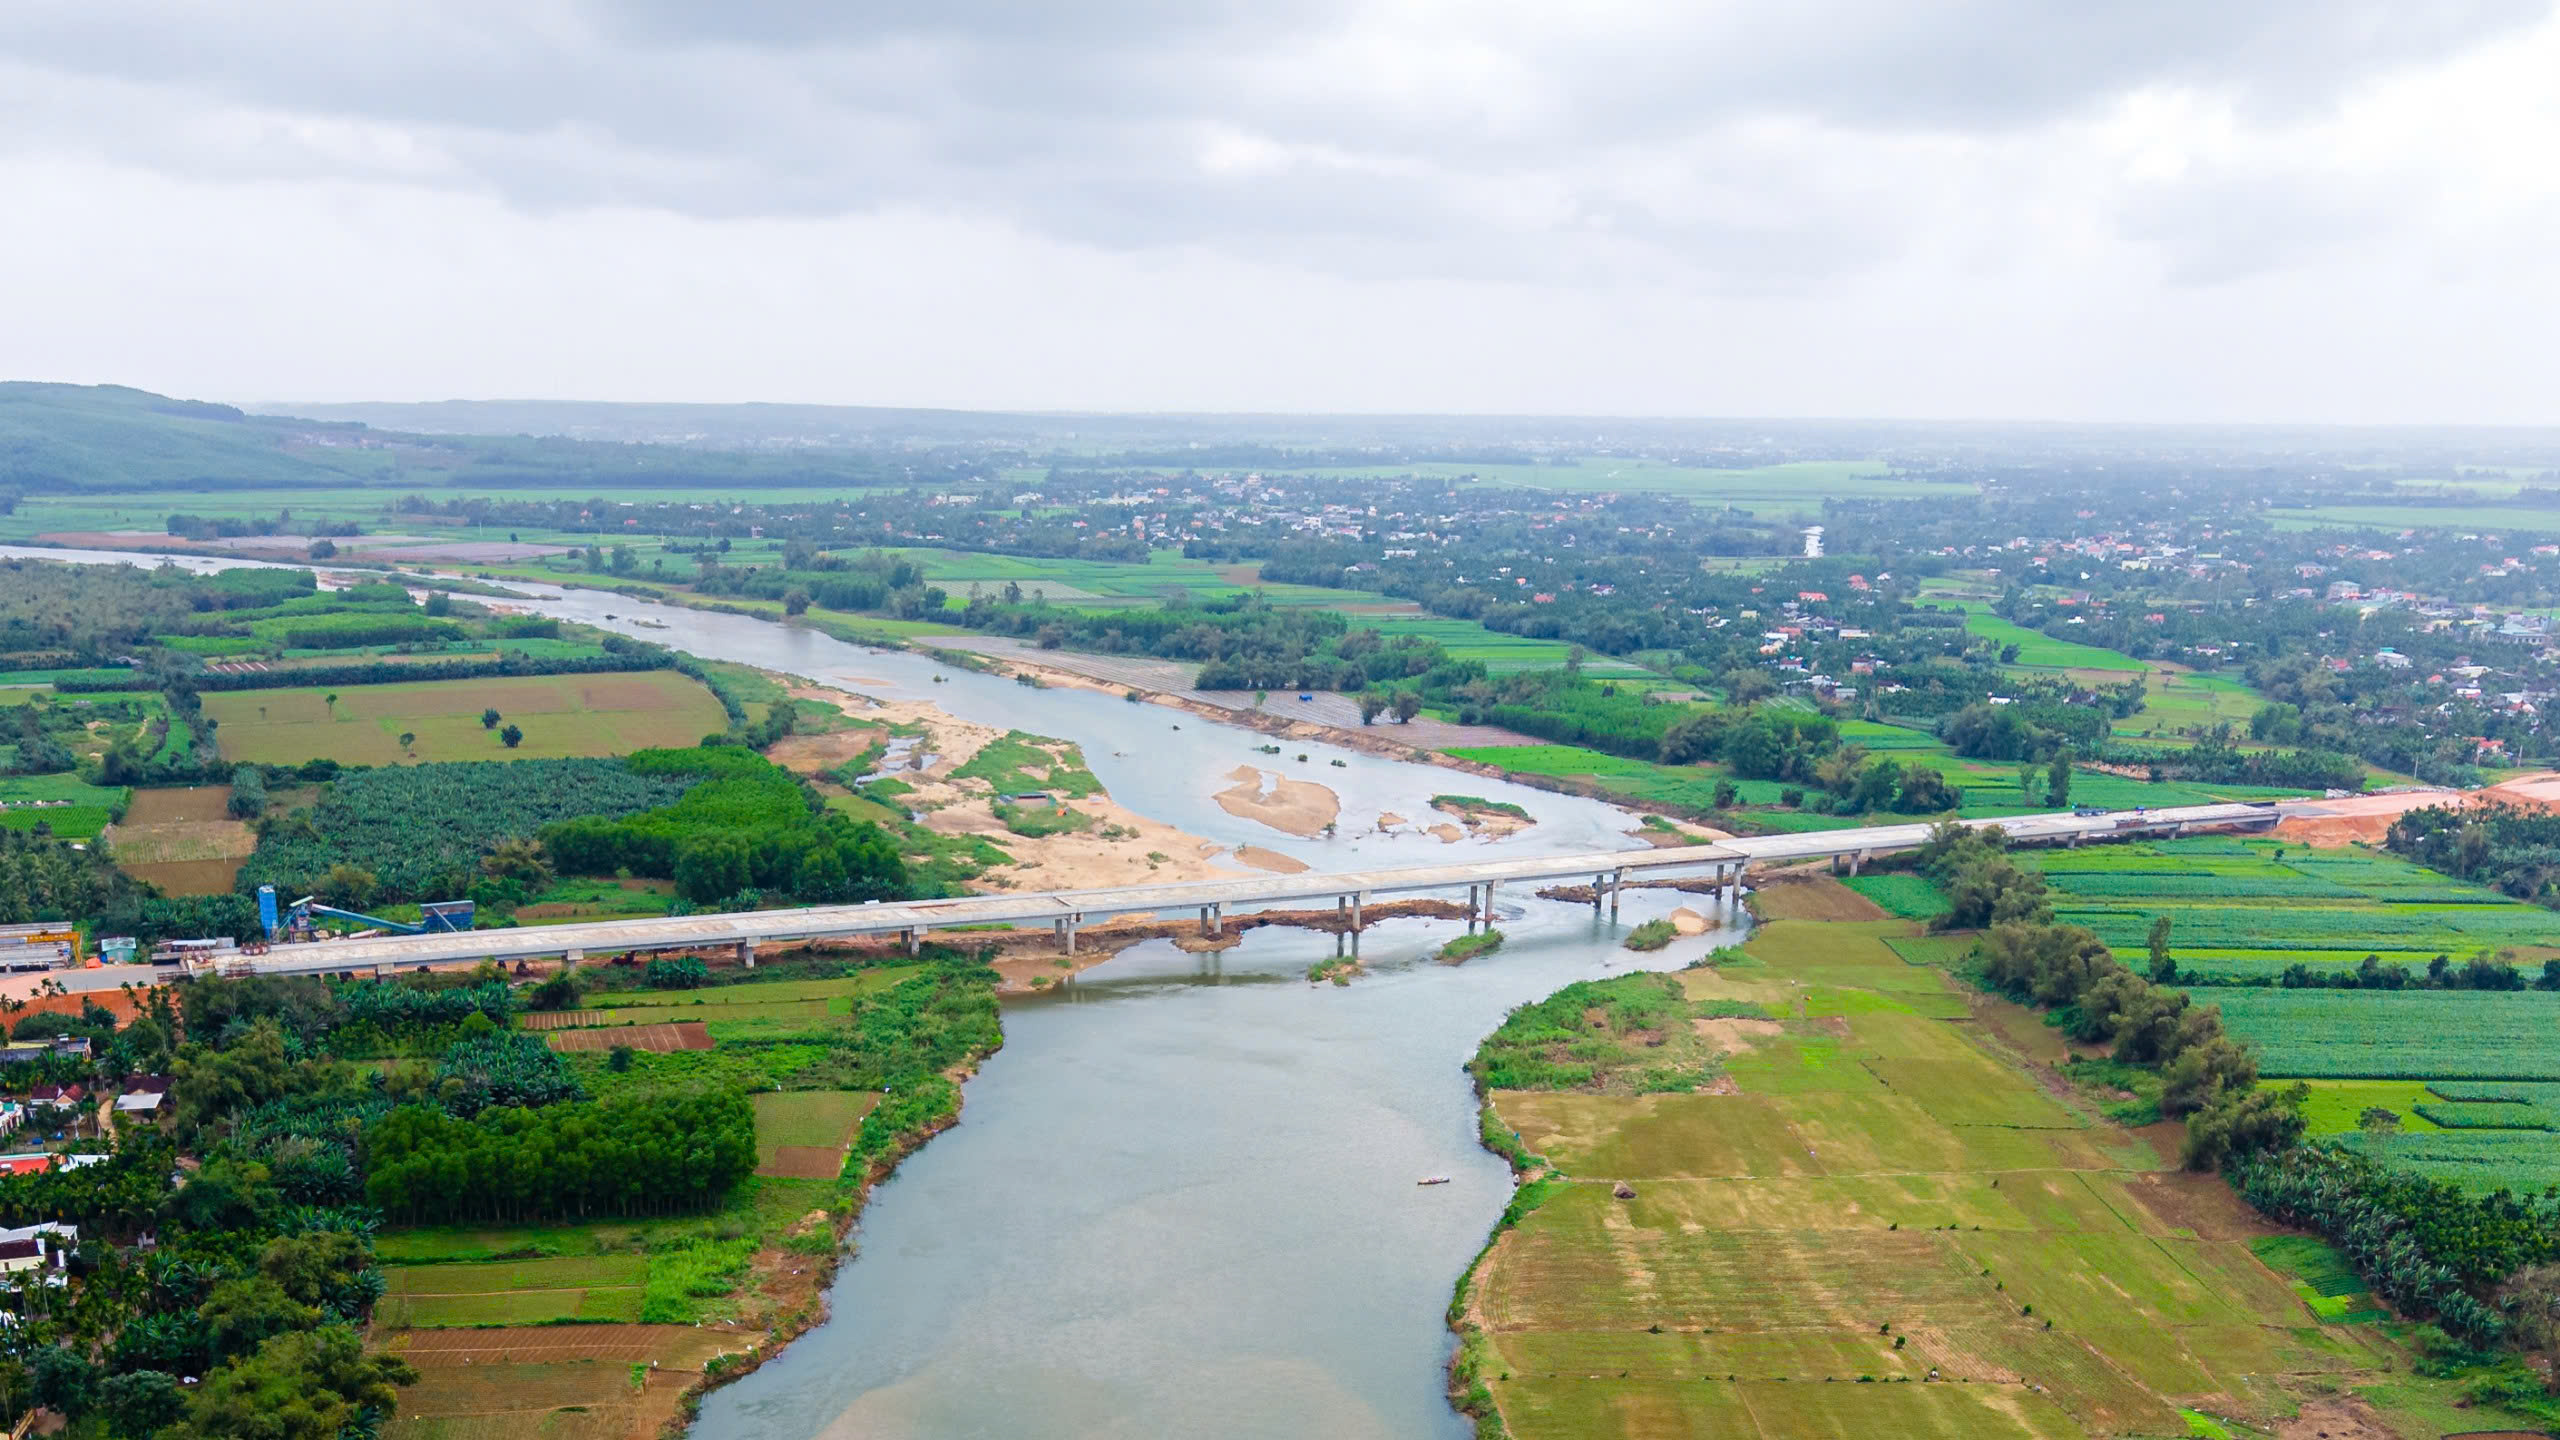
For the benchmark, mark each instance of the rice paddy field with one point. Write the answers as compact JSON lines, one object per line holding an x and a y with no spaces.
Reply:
{"x":561,"y":715}
{"x":1876,"y":1222}
{"x":762,"y":1012}
{"x":2471,"y":1074}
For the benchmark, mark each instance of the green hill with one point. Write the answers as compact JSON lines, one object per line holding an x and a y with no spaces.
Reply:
{"x":57,"y":439}
{"x":108,"y":437}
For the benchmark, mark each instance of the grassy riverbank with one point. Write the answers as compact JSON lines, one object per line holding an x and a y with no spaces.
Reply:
{"x":1817,"y":1189}
{"x":618,"y":1326}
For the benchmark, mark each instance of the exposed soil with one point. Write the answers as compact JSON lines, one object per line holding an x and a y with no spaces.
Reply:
{"x":1270,"y":860}
{"x":817,"y":754}
{"x":1297,"y":807}
{"x":805,"y":1162}
{"x":1482,"y":820}
{"x":2338,"y":1420}
{"x":1803,"y":895}
{"x":678,"y":1035}
{"x":1735,"y":1036}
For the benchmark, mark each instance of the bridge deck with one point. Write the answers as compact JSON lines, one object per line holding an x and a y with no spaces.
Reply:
{"x":761,"y":927}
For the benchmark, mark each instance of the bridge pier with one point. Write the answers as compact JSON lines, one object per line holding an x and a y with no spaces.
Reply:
{"x":747,"y":953}
{"x":915,"y":940}
{"x":1213,"y":917}
{"x":1617,"y":882}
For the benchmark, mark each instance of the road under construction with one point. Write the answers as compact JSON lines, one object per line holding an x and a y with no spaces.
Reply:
{"x":1722,"y":865}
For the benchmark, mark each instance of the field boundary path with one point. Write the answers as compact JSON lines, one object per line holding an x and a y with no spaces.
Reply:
{"x":1065,"y":910}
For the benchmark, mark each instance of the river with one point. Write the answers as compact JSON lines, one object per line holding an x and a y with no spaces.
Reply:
{"x":1181,"y":1200}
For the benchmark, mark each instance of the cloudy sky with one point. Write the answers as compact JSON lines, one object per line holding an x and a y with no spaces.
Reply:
{"x":2181,"y":209}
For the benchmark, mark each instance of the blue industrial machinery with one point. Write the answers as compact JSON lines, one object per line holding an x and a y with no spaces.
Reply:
{"x":434,"y":917}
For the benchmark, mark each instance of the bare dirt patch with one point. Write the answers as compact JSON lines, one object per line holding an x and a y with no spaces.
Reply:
{"x":2340,"y":1420}
{"x":188,"y":877}
{"x":1480,"y":820}
{"x":169,"y":807}
{"x":1688,"y":921}
{"x":1447,"y":834}
{"x":817,"y":754}
{"x":1296,"y":807}
{"x":682,"y":1346}
{"x":663,"y":1039}
{"x":1811,"y":896}
{"x":2184,"y":1200}
{"x":1271,"y":860}
{"x":805,"y":1162}
{"x":1735,"y":1036}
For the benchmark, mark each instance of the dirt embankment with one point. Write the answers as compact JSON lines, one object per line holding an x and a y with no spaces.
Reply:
{"x":2367,"y":818}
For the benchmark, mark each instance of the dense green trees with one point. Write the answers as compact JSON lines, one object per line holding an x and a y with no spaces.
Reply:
{"x":633,"y":1154}
{"x":743,"y":822}
{"x":2420,"y":1242}
{"x":2516,"y":850}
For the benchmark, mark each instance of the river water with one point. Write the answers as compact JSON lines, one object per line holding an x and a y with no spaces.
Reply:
{"x":1181,"y":1200}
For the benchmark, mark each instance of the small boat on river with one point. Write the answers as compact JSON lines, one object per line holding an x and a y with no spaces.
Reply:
{"x":1432,"y":1180}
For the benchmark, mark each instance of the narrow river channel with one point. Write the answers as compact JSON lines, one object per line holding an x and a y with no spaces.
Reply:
{"x":1181,"y":1200}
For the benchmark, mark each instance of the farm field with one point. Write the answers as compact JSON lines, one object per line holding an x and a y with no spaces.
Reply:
{"x":2468,"y":1072}
{"x":667,"y":1021}
{"x":1870,"y":1196}
{"x":1502,"y":654}
{"x":70,"y":807}
{"x":182,"y":840}
{"x":561,"y":1382}
{"x":522,"y":1292}
{"x":805,"y":1132}
{"x":561,"y":715}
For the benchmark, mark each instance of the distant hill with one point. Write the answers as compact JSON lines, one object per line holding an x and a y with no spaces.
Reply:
{"x":70,"y":438}
{"x":108,"y":437}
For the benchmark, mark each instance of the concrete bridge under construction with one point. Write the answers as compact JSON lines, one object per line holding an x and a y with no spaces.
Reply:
{"x":1723,"y":864}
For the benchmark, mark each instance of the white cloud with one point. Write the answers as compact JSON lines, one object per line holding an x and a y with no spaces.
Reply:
{"x":1983,"y":207}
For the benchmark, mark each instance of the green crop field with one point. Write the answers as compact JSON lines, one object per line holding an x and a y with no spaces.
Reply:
{"x":561,"y":715}
{"x":1878,"y":1200}
{"x":517,"y":1292}
{"x":1501,"y":654}
{"x":1912,"y":897}
{"x":64,"y":804}
{"x":2397,"y":1035}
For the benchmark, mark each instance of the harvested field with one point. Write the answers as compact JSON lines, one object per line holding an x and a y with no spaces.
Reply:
{"x":188,"y":877}
{"x":1697,"y":1273}
{"x":803,"y":1162}
{"x":170,"y":807}
{"x":561,"y":715}
{"x":661,"y":1038}
{"x":674,"y":1346}
{"x":1811,"y":897}
{"x":183,"y":841}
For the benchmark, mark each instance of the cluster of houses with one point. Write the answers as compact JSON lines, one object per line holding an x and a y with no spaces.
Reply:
{"x":26,"y":1115}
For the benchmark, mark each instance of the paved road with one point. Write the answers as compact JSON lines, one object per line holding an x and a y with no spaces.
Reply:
{"x":1068,"y":908}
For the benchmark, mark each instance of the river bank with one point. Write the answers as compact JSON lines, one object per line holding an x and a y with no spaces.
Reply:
{"x":1181,"y":1197}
